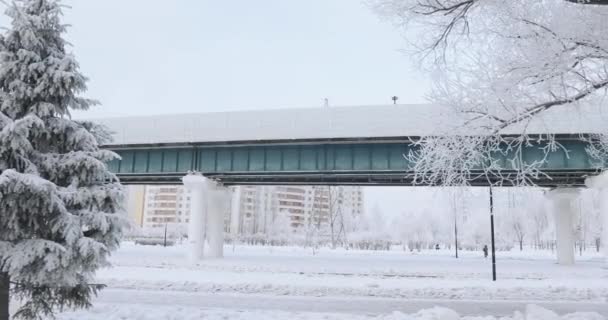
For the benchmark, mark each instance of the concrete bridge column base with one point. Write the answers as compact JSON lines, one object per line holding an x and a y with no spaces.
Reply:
{"x":562,"y":202}
{"x":600,"y":184}
{"x":208,"y":203}
{"x":197,"y":185}
{"x":218,"y":199}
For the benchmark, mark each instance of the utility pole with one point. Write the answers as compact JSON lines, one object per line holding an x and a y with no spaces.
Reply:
{"x":165,"y":239}
{"x":4,"y":295}
{"x":456,"y":236}
{"x":581,"y":227}
{"x":492,"y":231}
{"x":455,"y":222}
{"x":395,"y":98}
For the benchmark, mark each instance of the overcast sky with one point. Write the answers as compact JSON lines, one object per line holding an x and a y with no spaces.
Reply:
{"x":161,"y":56}
{"x":179,"y":56}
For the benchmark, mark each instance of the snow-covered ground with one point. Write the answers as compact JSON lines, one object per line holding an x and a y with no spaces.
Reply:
{"x":287,"y":282}
{"x":146,"y":312}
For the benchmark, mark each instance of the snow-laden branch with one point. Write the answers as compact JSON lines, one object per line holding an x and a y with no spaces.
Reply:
{"x":459,"y":160}
{"x":598,"y":149}
{"x":502,"y":66}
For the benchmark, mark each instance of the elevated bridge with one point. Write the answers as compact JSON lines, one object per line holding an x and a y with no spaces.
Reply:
{"x":345,"y":145}
{"x":334,"y":146}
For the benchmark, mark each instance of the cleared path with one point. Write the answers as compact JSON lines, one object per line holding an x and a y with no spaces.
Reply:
{"x":353,"y":305}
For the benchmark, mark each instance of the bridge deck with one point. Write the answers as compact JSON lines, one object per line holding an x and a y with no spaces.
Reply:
{"x":333,"y":123}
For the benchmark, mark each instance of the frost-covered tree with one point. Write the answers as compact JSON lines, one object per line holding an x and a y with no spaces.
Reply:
{"x":59,"y":205}
{"x":598,"y":148}
{"x":588,"y":223}
{"x":538,"y":222}
{"x":516,"y":219}
{"x":334,"y":211}
{"x":280,"y":231}
{"x":371,"y":230}
{"x":501,"y":66}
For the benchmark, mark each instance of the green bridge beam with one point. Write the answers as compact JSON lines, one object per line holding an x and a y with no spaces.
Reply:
{"x":360,"y":162}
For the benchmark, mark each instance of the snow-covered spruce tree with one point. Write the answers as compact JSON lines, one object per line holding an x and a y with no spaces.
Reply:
{"x":59,"y":205}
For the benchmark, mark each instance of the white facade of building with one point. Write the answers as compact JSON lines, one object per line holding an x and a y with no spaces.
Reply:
{"x":254,"y":209}
{"x":165,"y":205}
{"x":258,"y":207}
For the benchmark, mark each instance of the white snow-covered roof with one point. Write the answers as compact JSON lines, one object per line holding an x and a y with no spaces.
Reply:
{"x":322,"y":123}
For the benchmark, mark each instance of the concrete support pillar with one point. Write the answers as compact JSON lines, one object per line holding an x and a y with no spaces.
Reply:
{"x":218,"y":200}
{"x":600,"y":183}
{"x":563,"y":207}
{"x":208,"y":204}
{"x":235,"y":213}
{"x":197,"y":185}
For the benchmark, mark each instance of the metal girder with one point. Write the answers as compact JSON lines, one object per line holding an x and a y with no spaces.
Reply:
{"x":356,"y":161}
{"x":403,"y":178}
{"x":590,"y":2}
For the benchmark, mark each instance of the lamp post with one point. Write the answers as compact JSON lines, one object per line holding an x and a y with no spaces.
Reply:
{"x":455,"y":222}
{"x":456,"y":234}
{"x":492,"y":235}
{"x":165,"y":237}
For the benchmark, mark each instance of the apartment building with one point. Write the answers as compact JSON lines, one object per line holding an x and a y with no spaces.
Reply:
{"x":253,"y":209}
{"x":165,"y":205}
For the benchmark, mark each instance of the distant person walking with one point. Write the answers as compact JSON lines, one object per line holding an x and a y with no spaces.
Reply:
{"x":485,"y":251}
